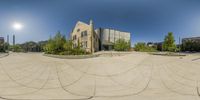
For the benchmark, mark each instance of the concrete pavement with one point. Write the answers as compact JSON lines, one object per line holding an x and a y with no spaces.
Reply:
{"x":135,"y":76}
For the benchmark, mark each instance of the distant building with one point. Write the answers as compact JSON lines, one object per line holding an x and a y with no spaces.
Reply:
{"x":2,"y":40}
{"x":193,"y":39}
{"x":157,"y":45}
{"x":150,"y":44}
{"x":91,"y":40}
{"x":191,"y":44}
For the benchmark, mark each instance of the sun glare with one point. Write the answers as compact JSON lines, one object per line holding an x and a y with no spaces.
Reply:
{"x":17,"y":26}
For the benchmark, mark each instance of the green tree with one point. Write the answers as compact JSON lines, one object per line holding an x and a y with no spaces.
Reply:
{"x":16,"y":48}
{"x":68,"y":45}
{"x":55,"y":45}
{"x":4,"y":47}
{"x":59,"y":45}
{"x":169,"y":43}
{"x":122,"y":45}
{"x":142,"y":47}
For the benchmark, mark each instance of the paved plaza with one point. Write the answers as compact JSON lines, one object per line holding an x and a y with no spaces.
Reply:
{"x":135,"y":76}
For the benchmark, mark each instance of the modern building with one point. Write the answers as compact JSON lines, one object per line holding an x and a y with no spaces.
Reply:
{"x":157,"y":45}
{"x":191,"y":44}
{"x":108,"y":37}
{"x":91,"y":40}
{"x":193,"y":39}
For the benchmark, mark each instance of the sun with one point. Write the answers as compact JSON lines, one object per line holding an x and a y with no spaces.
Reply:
{"x":17,"y":26}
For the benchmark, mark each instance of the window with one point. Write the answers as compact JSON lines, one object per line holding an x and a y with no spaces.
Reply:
{"x":84,"y":44}
{"x":74,"y":37}
{"x":78,"y":30}
{"x":84,"y":33}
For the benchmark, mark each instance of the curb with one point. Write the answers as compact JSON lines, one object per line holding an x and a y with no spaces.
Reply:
{"x":6,"y":54}
{"x":71,"y":56}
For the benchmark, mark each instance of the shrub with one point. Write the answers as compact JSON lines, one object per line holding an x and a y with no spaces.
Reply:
{"x":122,"y":45}
{"x":4,"y":47}
{"x":60,"y":46}
{"x":55,"y":45}
{"x":142,"y":47}
{"x":16,"y":48}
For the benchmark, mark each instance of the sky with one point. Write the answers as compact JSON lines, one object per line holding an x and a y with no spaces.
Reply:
{"x":146,"y":20}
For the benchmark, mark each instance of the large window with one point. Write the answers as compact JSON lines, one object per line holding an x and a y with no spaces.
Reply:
{"x":84,"y":33}
{"x":78,"y":30}
{"x":84,"y":44}
{"x":74,"y":37}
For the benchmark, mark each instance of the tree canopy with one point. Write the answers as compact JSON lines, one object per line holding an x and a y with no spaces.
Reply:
{"x":60,"y":46}
{"x":122,"y":45}
{"x":169,"y":43}
{"x":143,"y":47}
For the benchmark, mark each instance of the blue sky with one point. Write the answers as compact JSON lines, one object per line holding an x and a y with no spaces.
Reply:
{"x":147,"y":20}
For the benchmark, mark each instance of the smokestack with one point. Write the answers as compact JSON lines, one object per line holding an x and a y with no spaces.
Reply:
{"x":13,"y":39}
{"x":8,"y":39}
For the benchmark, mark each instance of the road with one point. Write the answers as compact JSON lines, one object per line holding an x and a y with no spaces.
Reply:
{"x":135,"y":76}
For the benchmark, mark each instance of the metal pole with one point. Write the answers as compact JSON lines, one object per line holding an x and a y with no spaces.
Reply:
{"x":179,"y":45}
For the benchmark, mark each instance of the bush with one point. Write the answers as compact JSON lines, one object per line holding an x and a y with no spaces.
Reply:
{"x":4,"y":47}
{"x":55,"y":45}
{"x":16,"y":48}
{"x":122,"y":45}
{"x":142,"y":47}
{"x":60,"y":46}
{"x":190,"y":45}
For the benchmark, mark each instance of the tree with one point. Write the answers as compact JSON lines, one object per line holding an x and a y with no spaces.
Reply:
{"x":122,"y":45}
{"x":169,"y":43}
{"x":141,"y":46}
{"x":16,"y":48}
{"x":4,"y":47}
{"x":55,"y":45}
{"x":59,"y":45}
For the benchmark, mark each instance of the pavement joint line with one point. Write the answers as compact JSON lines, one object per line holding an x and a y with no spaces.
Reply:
{"x":116,"y":74}
{"x":20,"y":84}
{"x":168,"y":69}
{"x":174,"y":91}
{"x":86,"y":97}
